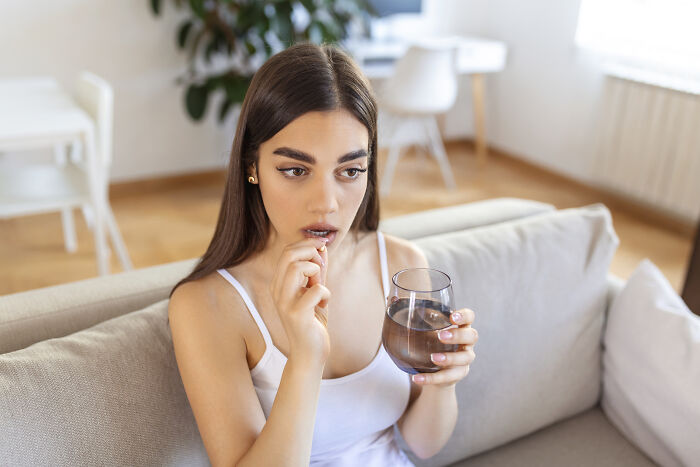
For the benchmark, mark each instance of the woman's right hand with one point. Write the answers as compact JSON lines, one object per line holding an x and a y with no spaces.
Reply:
{"x":301,"y":297}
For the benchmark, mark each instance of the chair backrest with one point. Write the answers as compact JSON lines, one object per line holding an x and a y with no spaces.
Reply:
{"x":424,"y":80}
{"x":96,"y":97}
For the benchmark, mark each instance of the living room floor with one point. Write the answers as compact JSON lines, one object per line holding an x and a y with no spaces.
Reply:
{"x":171,"y":219}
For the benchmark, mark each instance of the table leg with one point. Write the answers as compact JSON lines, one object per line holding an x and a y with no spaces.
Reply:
{"x":479,"y":121}
{"x":69,"y":238}
{"x":97,"y":198}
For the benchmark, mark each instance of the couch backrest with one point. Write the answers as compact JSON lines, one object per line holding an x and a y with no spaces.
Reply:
{"x":36,"y":315}
{"x":462,"y":217}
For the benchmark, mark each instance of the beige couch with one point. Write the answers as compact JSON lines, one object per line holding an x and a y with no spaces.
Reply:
{"x":88,"y":376}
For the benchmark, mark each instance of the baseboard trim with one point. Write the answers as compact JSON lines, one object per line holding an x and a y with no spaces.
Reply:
{"x":643,"y":211}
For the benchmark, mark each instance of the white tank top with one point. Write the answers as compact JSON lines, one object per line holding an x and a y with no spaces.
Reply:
{"x":355,"y":413}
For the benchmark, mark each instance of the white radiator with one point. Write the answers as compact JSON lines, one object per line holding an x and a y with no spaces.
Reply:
{"x":649,"y":145}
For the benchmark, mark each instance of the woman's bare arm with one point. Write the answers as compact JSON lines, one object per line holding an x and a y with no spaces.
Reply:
{"x":430,"y":417}
{"x":211,"y":356}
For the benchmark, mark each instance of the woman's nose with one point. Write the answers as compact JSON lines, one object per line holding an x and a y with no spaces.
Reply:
{"x":322,"y":198}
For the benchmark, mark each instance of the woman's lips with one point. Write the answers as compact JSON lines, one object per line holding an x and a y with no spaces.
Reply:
{"x":330,"y":236}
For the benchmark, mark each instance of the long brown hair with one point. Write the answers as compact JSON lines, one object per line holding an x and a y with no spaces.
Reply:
{"x":303,"y":78}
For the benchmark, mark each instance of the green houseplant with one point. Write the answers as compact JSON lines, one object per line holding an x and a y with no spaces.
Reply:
{"x":227,"y":40}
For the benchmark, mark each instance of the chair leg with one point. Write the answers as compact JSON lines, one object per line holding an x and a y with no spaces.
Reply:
{"x":76,"y":151}
{"x":89,"y":217}
{"x":59,"y":155}
{"x":439,"y":152}
{"x":389,"y":168}
{"x":424,"y":147}
{"x":388,"y":132}
{"x":117,"y":240}
{"x":69,"y":238}
{"x":101,"y":248}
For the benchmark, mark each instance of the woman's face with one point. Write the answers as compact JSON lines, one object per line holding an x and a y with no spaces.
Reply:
{"x":313,"y":176}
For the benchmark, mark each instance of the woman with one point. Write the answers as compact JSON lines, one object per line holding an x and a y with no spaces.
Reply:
{"x":277,"y":328}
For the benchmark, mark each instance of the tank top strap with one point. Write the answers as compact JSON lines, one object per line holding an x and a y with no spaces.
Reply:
{"x":249,"y":303}
{"x":383,"y":265}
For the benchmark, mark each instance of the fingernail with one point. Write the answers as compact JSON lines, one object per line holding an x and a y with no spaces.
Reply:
{"x":457,"y":317}
{"x":323,"y":248}
{"x":418,"y":378}
{"x":445,"y":335}
{"x":438,"y":357}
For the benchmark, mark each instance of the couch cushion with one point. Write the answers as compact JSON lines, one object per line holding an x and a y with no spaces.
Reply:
{"x":539,"y":288}
{"x":587,"y":439}
{"x":461,"y":217}
{"x":35,"y":315}
{"x":651,"y":368}
{"x":107,"y":395}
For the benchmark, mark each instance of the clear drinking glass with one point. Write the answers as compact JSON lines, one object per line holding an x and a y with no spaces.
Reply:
{"x":419,"y":306}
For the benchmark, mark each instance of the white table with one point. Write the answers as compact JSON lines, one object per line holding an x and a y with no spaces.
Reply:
{"x":475,"y":57}
{"x":36,"y":113}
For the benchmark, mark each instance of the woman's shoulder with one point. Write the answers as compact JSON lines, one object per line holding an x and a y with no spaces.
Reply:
{"x":206,"y":300}
{"x":404,"y":253}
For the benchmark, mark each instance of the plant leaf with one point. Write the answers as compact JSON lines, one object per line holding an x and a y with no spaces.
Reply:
{"x":309,"y":5}
{"x":182,"y":33}
{"x":155,"y":7}
{"x":237,"y":88}
{"x":268,"y":47}
{"x":250,"y":47}
{"x":283,"y":28}
{"x":197,"y":7}
{"x":211,"y":48}
{"x":314,"y":32}
{"x":196,"y":100}
{"x":223,"y":110}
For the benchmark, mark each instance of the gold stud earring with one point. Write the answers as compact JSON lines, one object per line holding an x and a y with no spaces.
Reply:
{"x":251,"y":179}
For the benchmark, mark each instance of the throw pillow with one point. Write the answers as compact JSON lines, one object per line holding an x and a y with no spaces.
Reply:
{"x":651,"y":369}
{"x":107,"y":395}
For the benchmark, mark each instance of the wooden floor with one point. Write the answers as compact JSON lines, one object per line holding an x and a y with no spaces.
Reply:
{"x":173,"y":219}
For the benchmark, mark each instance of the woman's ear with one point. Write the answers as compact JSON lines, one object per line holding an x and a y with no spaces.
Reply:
{"x":252,"y":174}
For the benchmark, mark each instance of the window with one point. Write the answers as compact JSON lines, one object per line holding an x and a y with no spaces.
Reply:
{"x":652,"y":36}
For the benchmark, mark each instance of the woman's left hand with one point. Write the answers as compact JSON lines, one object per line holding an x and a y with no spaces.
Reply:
{"x":454,"y":365}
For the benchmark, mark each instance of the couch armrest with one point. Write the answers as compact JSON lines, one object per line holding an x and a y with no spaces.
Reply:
{"x":462,"y":217}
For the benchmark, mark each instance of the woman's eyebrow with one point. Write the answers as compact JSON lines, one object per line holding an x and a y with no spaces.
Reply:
{"x":358,"y":154}
{"x":309,"y":159}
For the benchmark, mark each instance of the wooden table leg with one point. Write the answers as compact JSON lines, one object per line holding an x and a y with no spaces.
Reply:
{"x":479,"y":121}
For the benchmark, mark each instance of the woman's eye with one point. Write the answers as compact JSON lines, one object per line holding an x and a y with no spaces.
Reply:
{"x":293,"y":172}
{"x":354,"y":173}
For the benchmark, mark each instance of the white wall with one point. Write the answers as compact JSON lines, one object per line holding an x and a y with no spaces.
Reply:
{"x":136,"y":52}
{"x":540,"y":107}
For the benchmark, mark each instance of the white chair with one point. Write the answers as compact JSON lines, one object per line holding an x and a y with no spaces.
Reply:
{"x":423,"y":85}
{"x":65,"y":185}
